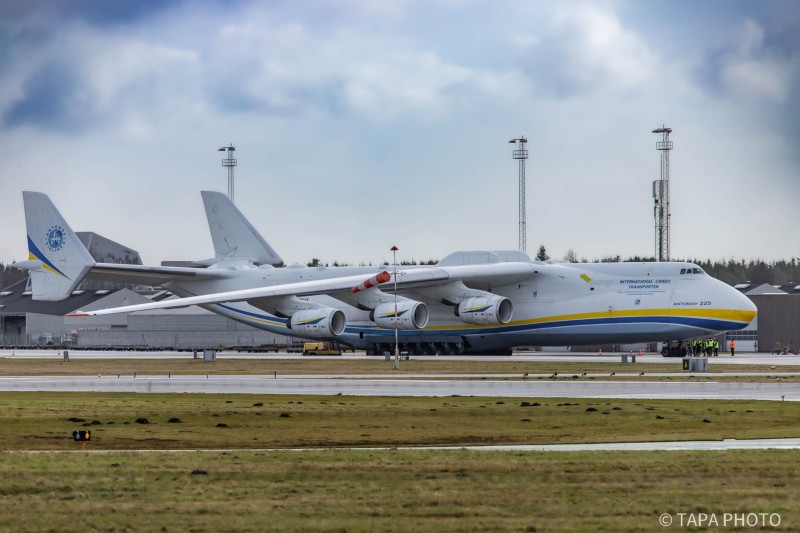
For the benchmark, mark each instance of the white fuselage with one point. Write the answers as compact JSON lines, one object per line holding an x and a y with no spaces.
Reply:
{"x":556,"y":304}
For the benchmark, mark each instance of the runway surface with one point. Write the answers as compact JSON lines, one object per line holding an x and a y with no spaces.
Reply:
{"x":268,"y":384}
{"x":544,"y":357}
{"x":490,"y":385}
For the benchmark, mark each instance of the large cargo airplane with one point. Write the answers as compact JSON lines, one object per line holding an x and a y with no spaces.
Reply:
{"x":469,"y":302}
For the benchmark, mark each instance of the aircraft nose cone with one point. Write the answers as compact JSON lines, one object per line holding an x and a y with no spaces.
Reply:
{"x":747,"y":309}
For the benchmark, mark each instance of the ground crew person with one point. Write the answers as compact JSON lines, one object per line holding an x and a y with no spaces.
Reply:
{"x":733,"y":347}
{"x":709,"y":345}
{"x":716,"y":348}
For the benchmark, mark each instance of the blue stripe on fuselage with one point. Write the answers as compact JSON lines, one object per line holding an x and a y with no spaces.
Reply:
{"x":699,"y":323}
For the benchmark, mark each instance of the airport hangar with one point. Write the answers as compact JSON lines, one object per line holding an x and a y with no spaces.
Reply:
{"x":26,"y":322}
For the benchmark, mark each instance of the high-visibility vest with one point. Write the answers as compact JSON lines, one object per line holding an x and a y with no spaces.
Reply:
{"x":733,"y":344}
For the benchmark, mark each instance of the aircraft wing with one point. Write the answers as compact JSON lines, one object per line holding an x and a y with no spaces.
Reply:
{"x":302,"y":288}
{"x":407,"y":279}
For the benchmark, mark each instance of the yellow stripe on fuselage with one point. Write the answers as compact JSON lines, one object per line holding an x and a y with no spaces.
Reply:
{"x":733,"y":315}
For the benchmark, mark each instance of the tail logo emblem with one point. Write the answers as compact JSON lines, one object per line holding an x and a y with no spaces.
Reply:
{"x":55,"y":238}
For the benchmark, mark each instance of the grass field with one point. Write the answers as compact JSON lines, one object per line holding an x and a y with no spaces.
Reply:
{"x":150,"y":476}
{"x":232,"y":462}
{"x":407,"y":490}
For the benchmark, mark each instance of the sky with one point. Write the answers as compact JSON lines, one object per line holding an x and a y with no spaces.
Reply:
{"x":363,"y":124}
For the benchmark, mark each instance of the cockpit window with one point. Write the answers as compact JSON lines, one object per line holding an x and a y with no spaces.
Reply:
{"x":683,"y":271}
{"x":696,"y":271}
{"x":691,"y":271}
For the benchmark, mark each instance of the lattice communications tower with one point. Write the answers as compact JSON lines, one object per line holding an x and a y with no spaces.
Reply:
{"x":521,"y":154}
{"x":229,"y":162}
{"x":661,"y":196}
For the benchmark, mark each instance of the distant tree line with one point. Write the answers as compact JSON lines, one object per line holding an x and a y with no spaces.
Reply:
{"x":754,"y":271}
{"x":9,"y":275}
{"x":731,"y":271}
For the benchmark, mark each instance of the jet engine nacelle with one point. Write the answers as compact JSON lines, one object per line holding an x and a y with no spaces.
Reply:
{"x":485,"y":310}
{"x":410,"y":315}
{"x":317,"y":323}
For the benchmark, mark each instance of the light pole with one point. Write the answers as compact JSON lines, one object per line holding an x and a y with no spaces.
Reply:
{"x":229,"y":162}
{"x":661,"y":196}
{"x":521,"y":154}
{"x":396,"y":343}
{"x":2,"y":313}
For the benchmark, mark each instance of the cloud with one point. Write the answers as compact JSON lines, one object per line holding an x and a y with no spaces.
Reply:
{"x":86,"y":79}
{"x":412,"y":102}
{"x":86,"y":76}
{"x":261,"y":66}
{"x":287,"y":69}
{"x":401,"y":83}
{"x":53,"y":98}
{"x":758,"y":68}
{"x":749,"y":68}
{"x":586,"y":49}
{"x":99,"y":12}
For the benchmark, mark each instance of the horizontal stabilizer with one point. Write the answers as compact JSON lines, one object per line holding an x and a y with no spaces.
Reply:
{"x":151,"y":275}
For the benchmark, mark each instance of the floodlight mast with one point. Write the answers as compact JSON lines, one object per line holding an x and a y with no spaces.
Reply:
{"x":661,"y":197}
{"x":2,"y":313}
{"x":521,"y":154}
{"x":229,"y":162}
{"x":396,"y":340}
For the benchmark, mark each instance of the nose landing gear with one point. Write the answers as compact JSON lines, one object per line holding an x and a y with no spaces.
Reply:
{"x":674,"y":349}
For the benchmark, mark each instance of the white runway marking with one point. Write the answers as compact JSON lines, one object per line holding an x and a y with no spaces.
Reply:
{"x":689,"y":445}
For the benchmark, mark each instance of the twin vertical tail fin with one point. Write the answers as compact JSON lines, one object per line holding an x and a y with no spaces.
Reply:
{"x":57,"y":260}
{"x":233,"y":236}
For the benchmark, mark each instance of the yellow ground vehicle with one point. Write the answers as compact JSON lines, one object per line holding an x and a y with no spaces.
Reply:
{"x":321,"y":348}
